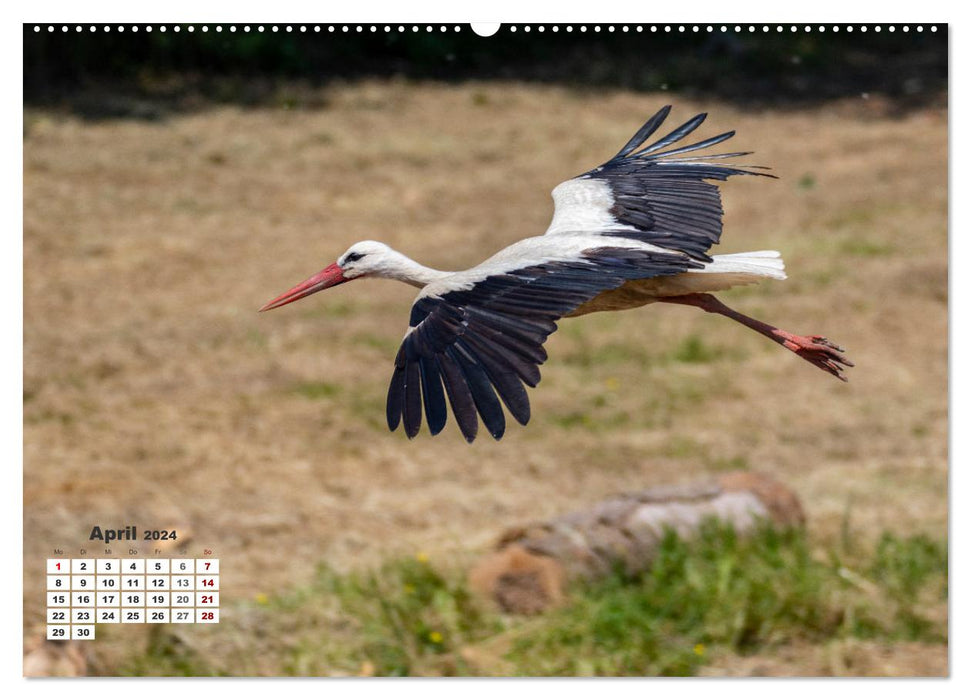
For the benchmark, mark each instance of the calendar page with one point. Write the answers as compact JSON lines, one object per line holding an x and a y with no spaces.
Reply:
{"x":381,"y":348}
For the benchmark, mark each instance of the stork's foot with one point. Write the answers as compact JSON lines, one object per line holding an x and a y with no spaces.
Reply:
{"x":817,"y":350}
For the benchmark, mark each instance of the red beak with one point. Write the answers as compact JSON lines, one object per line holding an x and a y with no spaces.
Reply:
{"x":330,"y":276}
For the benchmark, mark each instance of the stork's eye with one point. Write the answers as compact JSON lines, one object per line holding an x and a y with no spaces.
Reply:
{"x":353,"y":257}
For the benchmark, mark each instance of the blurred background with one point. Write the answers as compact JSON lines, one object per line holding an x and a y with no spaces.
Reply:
{"x":174,"y":182}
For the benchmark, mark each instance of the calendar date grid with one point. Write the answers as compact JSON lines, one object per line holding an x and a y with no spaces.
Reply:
{"x":83,"y":592}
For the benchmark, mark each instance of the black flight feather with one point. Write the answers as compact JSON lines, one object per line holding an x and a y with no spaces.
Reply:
{"x":412,"y":398}
{"x":395,"y":397}
{"x":650,"y":126}
{"x":459,"y":395}
{"x":674,"y":136}
{"x":436,"y":409}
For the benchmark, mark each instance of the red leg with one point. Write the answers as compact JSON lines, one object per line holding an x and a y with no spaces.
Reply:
{"x":815,"y":348}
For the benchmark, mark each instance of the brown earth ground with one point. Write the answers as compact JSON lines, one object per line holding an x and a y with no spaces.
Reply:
{"x":155,"y":395}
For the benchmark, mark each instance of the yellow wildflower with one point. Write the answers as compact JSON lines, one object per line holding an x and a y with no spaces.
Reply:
{"x":435,"y":637}
{"x":422,"y":557}
{"x":262,"y":598}
{"x":700,"y":649}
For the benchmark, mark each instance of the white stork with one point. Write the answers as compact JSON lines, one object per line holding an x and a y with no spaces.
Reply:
{"x":634,"y":231}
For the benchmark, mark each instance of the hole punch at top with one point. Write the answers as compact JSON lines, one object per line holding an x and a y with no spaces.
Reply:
{"x":485,"y":29}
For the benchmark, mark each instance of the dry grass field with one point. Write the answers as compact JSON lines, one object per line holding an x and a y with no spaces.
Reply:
{"x":155,"y":395}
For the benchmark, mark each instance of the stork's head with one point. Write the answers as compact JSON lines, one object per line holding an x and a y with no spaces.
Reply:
{"x":363,"y":259}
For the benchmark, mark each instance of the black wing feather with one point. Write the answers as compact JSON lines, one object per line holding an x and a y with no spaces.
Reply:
{"x":645,"y":131}
{"x":431,"y":390}
{"x":412,"y":398}
{"x":396,"y":396}
{"x":460,"y":396}
{"x":714,"y":140}
{"x":675,"y":135}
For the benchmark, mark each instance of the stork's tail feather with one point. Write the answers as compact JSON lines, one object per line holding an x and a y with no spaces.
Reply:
{"x":759,"y":263}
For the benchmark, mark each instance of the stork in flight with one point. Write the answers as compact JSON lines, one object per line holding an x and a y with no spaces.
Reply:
{"x":634,"y":231}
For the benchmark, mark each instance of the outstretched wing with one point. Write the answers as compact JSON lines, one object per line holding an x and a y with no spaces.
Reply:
{"x":481,"y":342}
{"x":652,"y":195}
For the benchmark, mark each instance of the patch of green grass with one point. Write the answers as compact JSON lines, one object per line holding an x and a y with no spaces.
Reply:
{"x":316,"y":390}
{"x":257,"y":339}
{"x":386,"y":344}
{"x":726,"y":592}
{"x":47,"y":414}
{"x":686,"y":447}
{"x":903,"y":567}
{"x":694,"y":349}
{"x":730,"y":464}
{"x":608,"y":355}
{"x":166,"y":654}
{"x":408,"y":611}
{"x":822,"y":278}
{"x":864,"y":248}
{"x":658,"y":405}
{"x":853,"y":216}
{"x":601,"y":416}
{"x":337,"y":308}
{"x":683,"y":447}
{"x":367,"y":404}
{"x":187,"y":204}
{"x":572,"y":419}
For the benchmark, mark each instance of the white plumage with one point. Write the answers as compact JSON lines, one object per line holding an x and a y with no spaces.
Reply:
{"x":583,"y":205}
